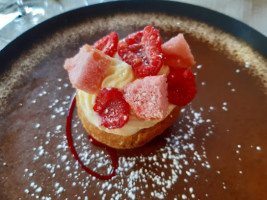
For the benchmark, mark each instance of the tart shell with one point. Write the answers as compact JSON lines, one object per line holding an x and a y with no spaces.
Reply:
{"x":127,"y":142}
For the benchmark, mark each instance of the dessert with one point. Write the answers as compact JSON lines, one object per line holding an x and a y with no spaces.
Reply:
{"x":130,"y":91}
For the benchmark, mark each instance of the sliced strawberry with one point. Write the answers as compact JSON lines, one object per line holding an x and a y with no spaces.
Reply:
{"x":112,"y":108}
{"x":181,"y":86}
{"x":142,"y":50}
{"x":108,"y":44}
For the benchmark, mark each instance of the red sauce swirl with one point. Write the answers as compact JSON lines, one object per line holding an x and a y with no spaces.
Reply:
{"x":112,"y":152}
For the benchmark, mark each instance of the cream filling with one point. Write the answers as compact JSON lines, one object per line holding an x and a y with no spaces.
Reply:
{"x":117,"y":76}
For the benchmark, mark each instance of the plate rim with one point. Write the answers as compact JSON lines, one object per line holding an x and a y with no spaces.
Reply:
{"x":226,"y":23}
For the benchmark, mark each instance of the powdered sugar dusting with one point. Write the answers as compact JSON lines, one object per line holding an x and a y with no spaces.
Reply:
{"x":176,"y":161}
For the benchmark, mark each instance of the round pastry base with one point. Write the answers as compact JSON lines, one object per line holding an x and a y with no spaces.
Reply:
{"x":127,"y":142}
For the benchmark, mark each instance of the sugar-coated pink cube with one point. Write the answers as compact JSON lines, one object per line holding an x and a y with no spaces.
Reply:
{"x":87,"y":68}
{"x":177,"y":52}
{"x":148,"y":97}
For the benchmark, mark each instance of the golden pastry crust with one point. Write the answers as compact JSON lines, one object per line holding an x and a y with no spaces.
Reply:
{"x":127,"y":142}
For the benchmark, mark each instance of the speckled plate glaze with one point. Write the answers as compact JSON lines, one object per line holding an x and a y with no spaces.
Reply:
{"x":217,"y":148}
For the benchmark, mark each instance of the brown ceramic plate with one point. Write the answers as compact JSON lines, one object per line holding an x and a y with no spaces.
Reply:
{"x":217,"y":148}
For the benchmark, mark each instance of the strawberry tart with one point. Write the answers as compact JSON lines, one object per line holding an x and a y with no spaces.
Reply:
{"x":129,"y":91}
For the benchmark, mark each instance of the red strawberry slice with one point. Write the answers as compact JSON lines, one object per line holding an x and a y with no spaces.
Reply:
{"x":113,"y":110}
{"x":177,"y":52}
{"x":108,"y":44}
{"x":142,"y":50}
{"x":181,"y":86}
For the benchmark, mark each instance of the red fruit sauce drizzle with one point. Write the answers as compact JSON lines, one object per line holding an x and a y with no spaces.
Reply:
{"x":112,"y":152}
